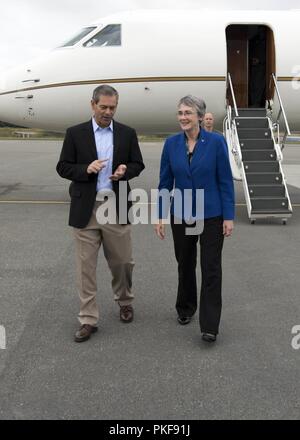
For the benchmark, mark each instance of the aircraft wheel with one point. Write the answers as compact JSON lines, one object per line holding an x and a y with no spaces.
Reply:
{"x":252,"y":222}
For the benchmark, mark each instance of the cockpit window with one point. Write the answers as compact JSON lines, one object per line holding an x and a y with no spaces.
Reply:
{"x":85,"y":31}
{"x":108,"y":36}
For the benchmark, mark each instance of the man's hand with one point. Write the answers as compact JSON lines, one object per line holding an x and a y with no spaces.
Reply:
{"x":119,"y":173}
{"x":227,"y":228}
{"x":96,"y":166}
{"x":160,"y":229}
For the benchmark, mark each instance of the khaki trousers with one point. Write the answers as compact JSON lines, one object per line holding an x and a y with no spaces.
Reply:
{"x":117,"y":247}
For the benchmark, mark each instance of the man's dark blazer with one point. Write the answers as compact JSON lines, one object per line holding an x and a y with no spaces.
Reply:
{"x":79,"y":150}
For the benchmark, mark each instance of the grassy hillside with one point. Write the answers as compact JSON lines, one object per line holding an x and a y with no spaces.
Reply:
{"x":35,"y":133}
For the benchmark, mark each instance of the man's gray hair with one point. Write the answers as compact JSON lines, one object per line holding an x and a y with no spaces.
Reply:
{"x":192,"y":101}
{"x":104,"y":90}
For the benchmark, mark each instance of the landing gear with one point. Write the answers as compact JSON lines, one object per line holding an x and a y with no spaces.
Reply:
{"x":284,"y":221}
{"x":252,"y":222}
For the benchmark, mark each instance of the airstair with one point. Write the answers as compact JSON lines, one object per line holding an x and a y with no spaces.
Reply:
{"x":254,"y":141}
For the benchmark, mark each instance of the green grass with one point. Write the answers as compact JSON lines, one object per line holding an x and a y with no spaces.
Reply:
{"x":153,"y":137}
{"x":10,"y":133}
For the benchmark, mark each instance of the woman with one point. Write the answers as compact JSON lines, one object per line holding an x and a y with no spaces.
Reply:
{"x":195,"y":159}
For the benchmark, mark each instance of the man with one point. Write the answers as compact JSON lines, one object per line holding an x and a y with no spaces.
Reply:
{"x":95,"y":156}
{"x":208,"y":122}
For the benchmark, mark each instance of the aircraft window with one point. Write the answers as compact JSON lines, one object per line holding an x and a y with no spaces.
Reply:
{"x":79,"y":36}
{"x":109,"y":36}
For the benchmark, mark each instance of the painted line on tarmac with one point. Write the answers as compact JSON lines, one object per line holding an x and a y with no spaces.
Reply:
{"x":33,"y":202}
{"x":57,"y":202}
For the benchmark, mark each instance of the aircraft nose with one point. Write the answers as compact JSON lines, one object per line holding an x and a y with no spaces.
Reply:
{"x":2,"y":82}
{"x":3,"y":98}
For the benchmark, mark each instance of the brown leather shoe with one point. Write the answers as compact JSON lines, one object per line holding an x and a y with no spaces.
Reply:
{"x":84,"y":332}
{"x":126,"y":313}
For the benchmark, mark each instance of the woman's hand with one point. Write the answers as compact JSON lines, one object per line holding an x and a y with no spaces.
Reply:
{"x":227,"y":228}
{"x":160,"y":229}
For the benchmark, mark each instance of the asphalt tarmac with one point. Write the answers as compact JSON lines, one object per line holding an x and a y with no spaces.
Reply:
{"x":152,"y":368}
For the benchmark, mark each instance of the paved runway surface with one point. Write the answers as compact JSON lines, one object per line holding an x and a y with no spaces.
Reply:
{"x":152,"y":368}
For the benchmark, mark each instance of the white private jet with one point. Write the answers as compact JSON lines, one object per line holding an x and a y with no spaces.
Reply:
{"x":154,"y":58}
{"x":245,"y":64}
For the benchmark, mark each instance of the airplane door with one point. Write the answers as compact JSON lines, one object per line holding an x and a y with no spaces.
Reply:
{"x":250,"y":62}
{"x":25,"y":98}
{"x":237,"y":63}
{"x":271,"y":63}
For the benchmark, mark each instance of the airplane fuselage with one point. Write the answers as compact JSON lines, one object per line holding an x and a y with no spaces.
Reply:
{"x":163,"y":56}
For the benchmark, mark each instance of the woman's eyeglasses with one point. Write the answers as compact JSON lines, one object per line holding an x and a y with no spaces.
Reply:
{"x":187,"y":113}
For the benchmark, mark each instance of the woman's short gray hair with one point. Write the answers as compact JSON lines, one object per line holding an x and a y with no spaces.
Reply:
{"x":192,"y":101}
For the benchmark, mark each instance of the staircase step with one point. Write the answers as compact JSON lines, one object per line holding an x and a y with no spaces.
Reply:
{"x":266,"y":191}
{"x":252,"y":112}
{"x":271,"y":212}
{"x":270,"y":203}
{"x":254,"y":133}
{"x":252,"y":122}
{"x":259,"y":155}
{"x":264,"y":178}
{"x":257,"y":144}
{"x":261,"y":167}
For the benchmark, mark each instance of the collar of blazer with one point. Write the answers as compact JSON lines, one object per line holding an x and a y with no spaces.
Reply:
{"x":199,"y":148}
{"x":90,"y":140}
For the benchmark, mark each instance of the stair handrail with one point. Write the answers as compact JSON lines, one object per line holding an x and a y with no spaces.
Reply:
{"x":234,"y":133}
{"x":232,"y":94}
{"x":235,"y":136}
{"x":228,"y":125}
{"x":281,"y":111}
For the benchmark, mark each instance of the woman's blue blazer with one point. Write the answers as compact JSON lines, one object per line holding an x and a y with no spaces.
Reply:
{"x":209,"y":170}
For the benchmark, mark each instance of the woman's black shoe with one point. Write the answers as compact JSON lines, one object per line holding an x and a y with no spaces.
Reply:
{"x":209,"y":337}
{"x":183,"y":320}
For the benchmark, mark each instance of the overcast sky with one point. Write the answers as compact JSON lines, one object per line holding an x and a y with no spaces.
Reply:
{"x":29,"y":28}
